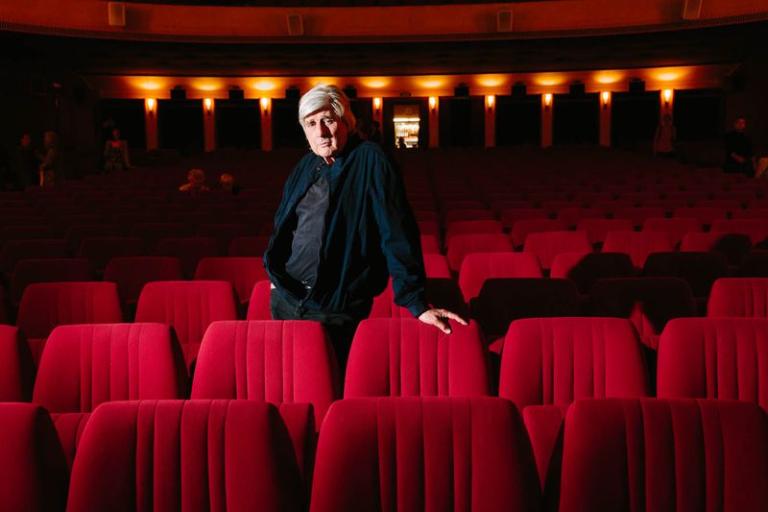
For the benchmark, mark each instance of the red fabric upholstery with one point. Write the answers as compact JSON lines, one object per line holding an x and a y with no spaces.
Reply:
{"x":85,"y":365}
{"x":461,"y":245}
{"x":698,"y":269}
{"x":466,"y":227}
{"x":47,"y":305}
{"x":189,"y":251}
{"x":69,"y":427}
{"x":638,"y":244}
{"x":706,"y":214}
{"x":403,"y":454}
{"x":270,"y":360}
{"x":638,"y":215}
{"x":586,"y":268}
{"x":33,"y":471}
{"x":248,"y":246}
{"x":509,"y":216}
{"x":152,"y":232}
{"x":676,"y":227}
{"x":477,"y":267}
{"x":259,"y":302}
{"x":545,"y":246}
{"x":722,"y":358}
{"x":665,"y":456}
{"x":187,"y":306}
{"x":740,"y":297}
{"x":194,"y":455}
{"x":430,"y":244}
{"x":598,"y":229}
{"x":17,"y":369}
{"x":47,"y":271}
{"x":242,"y":272}
{"x":14,"y":251}
{"x":99,"y":251}
{"x":406,"y":357}
{"x":522,"y":228}
{"x":755,"y":229}
{"x":436,"y":266}
{"x":131,"y":273}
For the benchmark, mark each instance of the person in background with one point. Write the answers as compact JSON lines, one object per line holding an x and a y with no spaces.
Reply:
{"x":50,"y":160}
{"x":228,"y":184}
{"x":738,"y":149}
{"x":343,"y":228}
{"x":195,"y":183}
{"x":116,"y":153}
{"x":664,"y":140}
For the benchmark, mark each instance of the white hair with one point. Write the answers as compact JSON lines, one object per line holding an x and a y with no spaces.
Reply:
{"x":327,"y":96}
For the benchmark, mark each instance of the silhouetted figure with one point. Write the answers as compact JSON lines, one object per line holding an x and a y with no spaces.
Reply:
{"x":116,"y":153}
{"x":227,"y":184}
{"x":195,"y":183}
{"x":50,"y":165}
{"x":738,"y":149}
{"x":664,"y":140}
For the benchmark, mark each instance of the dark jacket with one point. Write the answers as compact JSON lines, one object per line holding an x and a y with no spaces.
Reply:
{"x":371,"y":233}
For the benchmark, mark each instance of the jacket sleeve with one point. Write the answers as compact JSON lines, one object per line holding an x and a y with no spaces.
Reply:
{"x":400,"y":241}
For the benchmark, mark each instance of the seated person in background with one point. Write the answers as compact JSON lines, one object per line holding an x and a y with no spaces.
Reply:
{"x":761,"y":170}
{"x":116,"y":153}
{"x":664,"y":140}
{"x":227,"y":184}
{"x":738,"y":149}
{"x":195,"y":182}
{"x":50,"y":160}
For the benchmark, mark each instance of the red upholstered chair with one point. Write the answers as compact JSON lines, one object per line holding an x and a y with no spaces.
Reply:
{"x":548,"y":363}
{"x":468,"y":227}
{"x":457,"y":454}
{"x":406,"y":357}
{"x":477,"y":267}
{"x":598,"y":229}
{"x":733,"y":246}
{"x":77,"y":233}
{"x":639,"y":214}
{"x":754,"y":264}
{"x":33,"y":470}
{"x":509,"y":216}
{"x":189,"y":251}
{"x":17,"y":369}
{"x":638,"y":244}
{"x":85,"y":365}
{"x":698,"y":269}
{"x":27,"y":272}
{"x":460,"y":214}
{"x":243,"y":272}
{"x":522,"y":228}
{"x":461,"y":245}
{"x":675,"y":227}
{"x":545,"y":246}
{"x":47,"y":305}
{"x":430,"y":244}
{"x":586,"y":268}
{"x":223,"y":233}
{"x":755,"y":229}
{"x":664,"y":455}
{"x":268,"y":360}
{"x":706,"y":214}
{"x":185,"y":455}
{"x":187,"y":306}
{"x":649,"y":303}
{"x":259,"y":302}
{"x":720,"y":358}
{"x":248,"y":245}
{"x":14,"y":251}
{"x":152,"y":232}
{"x":739,"y":297}
{"x":99,"y":251}
{"x":131,"y":273}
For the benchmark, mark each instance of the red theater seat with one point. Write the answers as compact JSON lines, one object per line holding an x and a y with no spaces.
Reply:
{"x":152,"y":232}
{"x":248,"y":246}
{"x":131,"y":273}
{"x":676,"y":227}
{"x":47,"y":305}
{"x":467,"y":227}
{"x":242,"y":272}
{"x":586,"y":268}
{"x":698,"y":269}
{"x":33,"y":470}
{"x":14,"y":251}
{"x":99,"y":251}
{"x":193,"y":455}
{"x":638,"y":244}
{"x":739,"y":297}
{"x":270,"y":360}
{"x":461,"y":245}
{"x":187,"y":306}
{"x":598,"y":229}
{"x":259,"y":302}
{"x":430,"y":244}
{"x":720,"y":358}
{"x":546,"y":246}
{"x":733,"y":246}
{"x":17,"y":370}
{"x":406,"y":357}
{"x":755,"y":229}
{"x":189,"y":251}
{"x":454,"y":454}
{"x":664,"y":455}
{"x":477,"y":267}
{"x":27,"y":272}
{"x":522,"y":228}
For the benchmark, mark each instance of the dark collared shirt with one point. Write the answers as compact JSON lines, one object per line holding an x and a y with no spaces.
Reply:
{"x":308,"y":235}
{"x":370,"y":234}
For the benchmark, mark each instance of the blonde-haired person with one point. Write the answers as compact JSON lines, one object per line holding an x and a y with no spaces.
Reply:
{"x":50,"y":160}
{"x":195,"y":182}
{"x":343,"y":228}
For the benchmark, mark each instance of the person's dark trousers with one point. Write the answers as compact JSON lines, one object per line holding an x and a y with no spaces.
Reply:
{"x":340,"y":327}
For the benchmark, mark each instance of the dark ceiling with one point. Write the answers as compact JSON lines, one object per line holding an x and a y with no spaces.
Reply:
{"x":728,"y":44}
{"x":321,"y":3}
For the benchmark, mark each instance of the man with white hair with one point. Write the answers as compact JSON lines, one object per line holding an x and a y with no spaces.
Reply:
{"x":343,"y":227}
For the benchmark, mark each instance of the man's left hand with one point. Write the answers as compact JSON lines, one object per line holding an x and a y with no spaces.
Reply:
{"x":439,"y":318}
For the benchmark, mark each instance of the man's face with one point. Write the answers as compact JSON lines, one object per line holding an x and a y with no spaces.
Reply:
{"x":740,"y":124}
{"x":326,"y":133}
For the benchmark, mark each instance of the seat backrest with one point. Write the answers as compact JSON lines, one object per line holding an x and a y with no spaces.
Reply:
{"x":47,"y":305}
{"x":47,"y":271}
{"x":85,"y":365}
{"x":457,"y":454}
{"x":638,"y":244}
{"x":243,"y":272}
{"x":739,"y":297}
{"x":524,"y":227}
{"x":248,"y":245}
{"x":586,"y":268}
{"x":556,"y":361}
{"x":268,"y":360}
{"x":720,"y":358}
{"x":17,"y":368}
{"x":185,"y":455}
{"x":545,"y":246}
{"x":259,"y":302}
{"x":33,"y":472}
{"x":100,"y":250}
{"x":755,"y":229}
{"x":755,"y":264}
{"x":463,"y":227}
{"x":698,"y":269}
{"x":676,"y":227}
{"x":187,"y":306}
{"x":665,"y":456}
{"x":131,"y":273}
{"x":189,"y":251}
{"x":406,"y":357}
{"x":14,"y":251}
{"x":597,"y":228}
{"x":461,"y":245}
{"x":477,"y":267}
